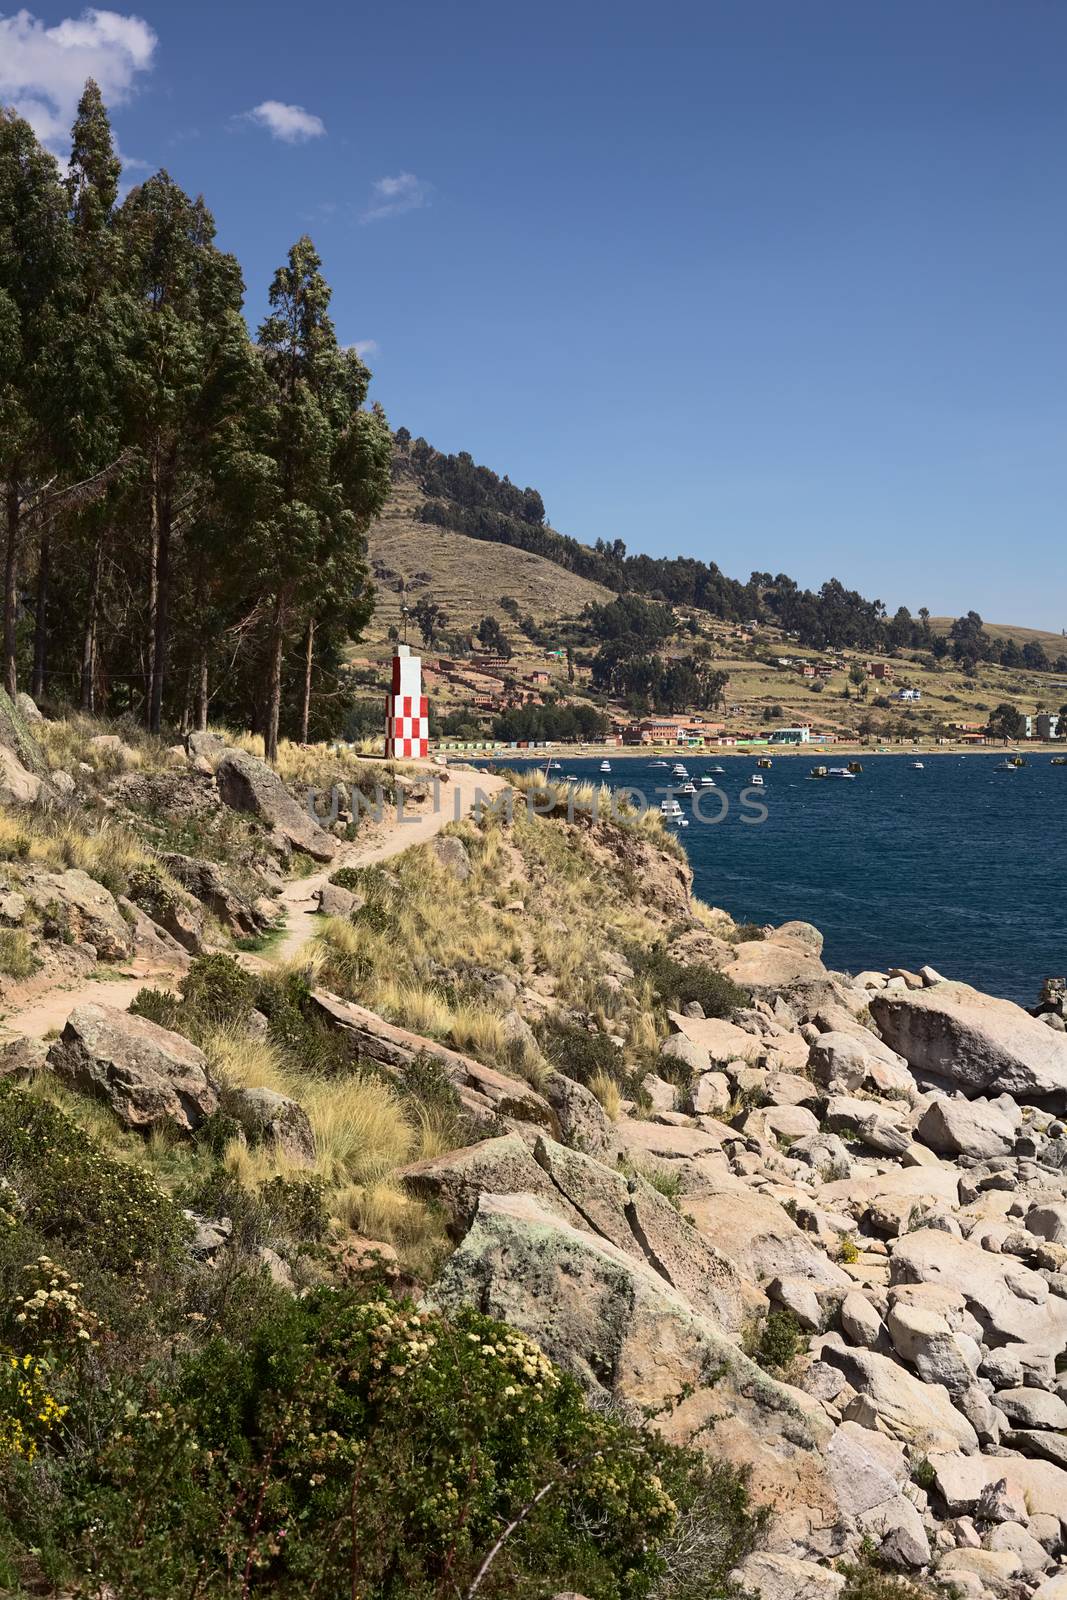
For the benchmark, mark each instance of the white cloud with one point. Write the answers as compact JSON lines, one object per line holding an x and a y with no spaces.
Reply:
{"x":365,"y":347}
{"x":391,"y":197}
{"x":43,"y":70}
{"x":291,"y":124}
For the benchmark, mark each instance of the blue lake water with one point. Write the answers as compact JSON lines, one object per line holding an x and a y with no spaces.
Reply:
{"x":958,"y":865}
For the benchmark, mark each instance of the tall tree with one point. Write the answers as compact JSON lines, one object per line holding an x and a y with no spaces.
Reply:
{"x":34,"y":263}
{"x":330,"y":470}
{"x":187,"y":295}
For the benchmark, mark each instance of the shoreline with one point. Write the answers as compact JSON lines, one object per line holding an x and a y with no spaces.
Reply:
{"x":815,"y":752}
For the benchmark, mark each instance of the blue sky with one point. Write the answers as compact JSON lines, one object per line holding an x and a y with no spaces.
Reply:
{"x":778,"y":283}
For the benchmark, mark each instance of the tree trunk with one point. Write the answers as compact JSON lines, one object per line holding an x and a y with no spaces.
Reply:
{"x":88,"y":680}
{"x":159,"y":659}
{"x":40,"y":624}
{"x":11,"y":581}
{"x":153,"y":584}
{"x":274,"y":683}
{"x":309,"y":658}
{"x":202,"y":697}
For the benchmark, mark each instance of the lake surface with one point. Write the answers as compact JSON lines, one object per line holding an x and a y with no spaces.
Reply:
{"x":958,"y":865}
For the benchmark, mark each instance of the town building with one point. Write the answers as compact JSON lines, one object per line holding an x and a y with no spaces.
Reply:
{"x":790,"y":736}
{"x":1048,"y":725}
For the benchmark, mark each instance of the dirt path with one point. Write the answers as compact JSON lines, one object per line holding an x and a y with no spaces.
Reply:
{"x":49,"y":1011}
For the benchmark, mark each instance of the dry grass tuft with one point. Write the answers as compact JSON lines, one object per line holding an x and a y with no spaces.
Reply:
{"x":608,"y":1093}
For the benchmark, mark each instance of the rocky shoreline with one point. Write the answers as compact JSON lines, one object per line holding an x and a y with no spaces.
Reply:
{"x":875,"y":1167}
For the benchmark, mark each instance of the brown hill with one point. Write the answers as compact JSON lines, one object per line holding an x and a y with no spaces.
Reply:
{"x":468,"y":577}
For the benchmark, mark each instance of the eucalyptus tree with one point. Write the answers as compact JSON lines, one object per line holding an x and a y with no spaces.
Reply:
{"x":34,"y":270}
{"x":329,"y":473}
{"x":187,"y":326}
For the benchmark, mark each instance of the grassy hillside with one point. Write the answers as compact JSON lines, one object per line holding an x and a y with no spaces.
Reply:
{"x":466,"y":576}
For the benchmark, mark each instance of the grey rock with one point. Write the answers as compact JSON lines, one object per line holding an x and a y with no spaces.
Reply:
{"x":146,"y":1074}
{"x":270,"y":1118}
{"x":248,"y":784}
{"x":963,"y":1127}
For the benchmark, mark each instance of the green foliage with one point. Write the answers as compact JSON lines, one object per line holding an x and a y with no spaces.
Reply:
{"x":776,"y":1341}
{"x":576,"y":1052}
{"x":677,"y":985}
{"x":353,"y":1445}
{"x":73,"y":1192}
{"x":218,"y":989}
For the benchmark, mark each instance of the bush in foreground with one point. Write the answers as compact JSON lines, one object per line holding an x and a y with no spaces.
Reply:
{"x":361,"y":1445}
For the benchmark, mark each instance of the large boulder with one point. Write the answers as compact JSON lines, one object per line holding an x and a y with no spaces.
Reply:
{"x":626,"y":1334}
{"x":956,"y":1035}
{"x":83,"y":910}
{"x":1012,"y":1303}
{"x":761,"y":1239}
{"x":764,"y":966}
{"x":149,"y":1076}
{"x":965,"y":1127}
{"x":890,"y":1398}
{"x":583,"y":1122}
{"x":845,"y":1061}
{"x":17,"y":736}
{"x":457,"y":1180}
{"x":204,"y":881}
{"x":18,"y":786}
{"x":248,"y":784}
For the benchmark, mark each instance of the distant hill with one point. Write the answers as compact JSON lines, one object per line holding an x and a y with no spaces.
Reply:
{"x":466,"y":537}
{"x":468,"y":577}
{"x":1054,"y":644}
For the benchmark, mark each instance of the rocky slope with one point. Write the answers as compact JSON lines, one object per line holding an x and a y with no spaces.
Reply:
{"x":877,"y":1167}
{"x":813,"y":1225}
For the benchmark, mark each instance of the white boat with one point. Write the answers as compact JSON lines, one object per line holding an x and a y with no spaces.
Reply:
{"x":917,"y":766}
{"x":840,"y":772}
{"x":679,"y":771}
{"x":670,"y":810}
{"x":554,"y":766}
{"x":657,"y":763}
{"x":757,"y":779}
{"x":572,"y":777}
{"x":707,"y":781}
{"x":605,"y":766}
{"x":1005,"y":766}
{"x":689,"y":788}
{"x":718,"y":769}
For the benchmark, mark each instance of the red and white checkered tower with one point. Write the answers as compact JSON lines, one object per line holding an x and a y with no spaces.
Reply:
{"x":407,"y":713}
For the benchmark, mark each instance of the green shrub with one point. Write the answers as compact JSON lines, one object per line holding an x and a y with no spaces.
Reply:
{"x":214,"y":990}
{"x":864,"y":1580}
{"x":218,"y":989}
{"x":677,"y":985}
{"x":72,"y":1191}
{"x":576,"y":1052}
{"x":363,"y":1446}
{"x":776,"y":1341}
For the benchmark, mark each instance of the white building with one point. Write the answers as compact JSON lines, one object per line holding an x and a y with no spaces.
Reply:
{"x":791,"y":736}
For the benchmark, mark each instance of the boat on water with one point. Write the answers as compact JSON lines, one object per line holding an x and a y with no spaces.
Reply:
{"x":757,"y":779}
{"x":707,"y":781}
{"x":844,"y":773}
{"x":679,"y":771}
{"x":605,"y":766}
{"x":671,"y":811}
{"x":718,"y":769}
{"x":572,"y":777}
{"x":917,"y":766}
{"x":1058,"y":761}
{"x":764,"y":761}
{"x":689,"y":788}
{"x":554,"y":766}
{"x":657,"y":763}
{"x":1006,"y":766}
{"x":855,"y":767}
